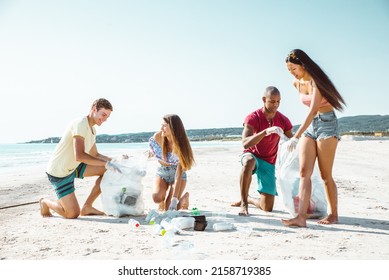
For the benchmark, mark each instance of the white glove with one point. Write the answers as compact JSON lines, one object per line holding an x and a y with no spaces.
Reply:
{"x":274,"y":129}
{"x":173,"y":203}
{"x":112,"y":166}
{"x":291,"y":144}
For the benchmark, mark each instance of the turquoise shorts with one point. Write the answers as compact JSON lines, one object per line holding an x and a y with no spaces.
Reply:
{"x":64,"y":186}
{"x":266,"y":175}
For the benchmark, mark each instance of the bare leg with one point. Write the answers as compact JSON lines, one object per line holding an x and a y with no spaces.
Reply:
{"x":307,"y":158}
{"x":326,"y":156}
{"x":66,"y":207}
{"x":184,"y":202}
{"x":245,"y":181}
{"x":159,"y":192}
{"x":88,"y":209}
{"x":265,"y":202}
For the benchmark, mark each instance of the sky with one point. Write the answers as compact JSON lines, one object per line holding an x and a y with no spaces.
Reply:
{"x":209,"y":61}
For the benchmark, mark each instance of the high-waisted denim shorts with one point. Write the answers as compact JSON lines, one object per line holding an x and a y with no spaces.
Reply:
{"x":168,"y":173}
{"x":323,"y":126}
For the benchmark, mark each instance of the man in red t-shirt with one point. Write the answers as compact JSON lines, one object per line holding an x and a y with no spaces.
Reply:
{"x":260,"y":138}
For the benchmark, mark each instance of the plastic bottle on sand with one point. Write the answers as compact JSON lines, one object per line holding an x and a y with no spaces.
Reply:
{"x":152,"y":214}
{"x":158,"y":229}
{"x":183,"y":222}
{"x":222,"y":226}
{"x":133,"y":223}
{"x":167,"y":239}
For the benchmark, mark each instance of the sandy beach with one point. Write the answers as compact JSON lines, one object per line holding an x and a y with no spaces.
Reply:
{"x":361,"y":172}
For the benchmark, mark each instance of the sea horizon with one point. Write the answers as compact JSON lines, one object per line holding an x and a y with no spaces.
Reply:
{"x":30,"y":156}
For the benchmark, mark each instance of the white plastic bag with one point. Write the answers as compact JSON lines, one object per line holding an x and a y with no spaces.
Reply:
{"x":288,"y":180}
{"x":122,"y":193}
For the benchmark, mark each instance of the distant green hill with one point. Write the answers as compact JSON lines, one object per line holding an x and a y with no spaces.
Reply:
{"x":363,"y":124}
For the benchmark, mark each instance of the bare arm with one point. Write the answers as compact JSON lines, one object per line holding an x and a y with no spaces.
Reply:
{"x":250,"y":139}
{"x":289,"y":133}
{"x":93,"y":152}
{"x":177,"y":183}
{"x":81,"y":156}
{"x":313,"y":109}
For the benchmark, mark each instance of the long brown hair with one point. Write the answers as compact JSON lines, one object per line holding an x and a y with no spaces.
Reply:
{"x":181,"y":144}
{"x":323,"y":83}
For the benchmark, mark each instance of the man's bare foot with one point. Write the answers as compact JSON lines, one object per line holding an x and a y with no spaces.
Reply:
{"x":236,"y":204}
{"x":45,"y":210}
{"x":295,"y":222}
{"x":330,"y":219}
{"x":88,"y":210}
{"x":184,"y":202}
{"x":244,"y":210}
{"x":250,"y":200}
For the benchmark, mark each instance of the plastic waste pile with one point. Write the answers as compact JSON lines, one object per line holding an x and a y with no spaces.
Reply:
{"x":122,"y":193}
{"x":288,"y":180}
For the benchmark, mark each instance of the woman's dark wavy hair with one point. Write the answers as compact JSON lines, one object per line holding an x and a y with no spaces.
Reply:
{"x":323,"y":83}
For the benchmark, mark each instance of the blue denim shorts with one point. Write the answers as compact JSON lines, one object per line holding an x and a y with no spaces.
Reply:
{"x":323,"y":126}
{"x":168,"y":173}
{"x":64,"y":186}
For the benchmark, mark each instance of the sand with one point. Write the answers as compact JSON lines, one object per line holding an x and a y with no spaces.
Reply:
{"x":361,"y":171}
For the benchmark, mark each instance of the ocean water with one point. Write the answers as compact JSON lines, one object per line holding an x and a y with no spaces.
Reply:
{"x":26,"y":156}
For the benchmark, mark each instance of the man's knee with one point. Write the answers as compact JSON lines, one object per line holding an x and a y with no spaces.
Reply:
{"x":267,"y":202}
{"x":72,"y":214}
{"x":248,"y":164}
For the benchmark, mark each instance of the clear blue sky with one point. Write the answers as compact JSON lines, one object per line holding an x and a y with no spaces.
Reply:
{"x":207,"y":61}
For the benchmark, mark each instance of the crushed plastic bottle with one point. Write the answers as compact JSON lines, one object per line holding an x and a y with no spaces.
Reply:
{"x":222,"y":226}
{"x":183,"y":222}
{"x":244,"y":229}
{"x":168,"y":226}
{"x":152,"y":214}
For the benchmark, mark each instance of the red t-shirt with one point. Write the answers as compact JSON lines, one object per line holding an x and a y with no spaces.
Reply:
{"x":267,"y":148}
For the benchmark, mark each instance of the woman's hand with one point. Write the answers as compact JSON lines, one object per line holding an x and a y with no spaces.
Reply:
{"x":173,"y":203}
{"x":292,"y":144}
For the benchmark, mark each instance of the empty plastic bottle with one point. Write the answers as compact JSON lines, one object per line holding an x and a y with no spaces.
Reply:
{"x":152,"y":214}
{"x":222,"y":226}
{"x":158,"y":229}
{"x":133,"y":223}
{"x":167,"y":240}
{"x":244,"y":229}
{"x":183,"y":222}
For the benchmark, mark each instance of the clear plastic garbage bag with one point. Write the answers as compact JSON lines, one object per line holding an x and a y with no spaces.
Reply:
{"x":122,"y":193}
{"x":288,"y":180}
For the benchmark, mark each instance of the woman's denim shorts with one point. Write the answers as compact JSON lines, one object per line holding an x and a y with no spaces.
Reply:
{"x":168,"y":173}
{"x":323,"y":126}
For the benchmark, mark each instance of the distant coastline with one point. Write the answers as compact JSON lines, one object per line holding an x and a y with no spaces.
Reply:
{"x":363,"y":125}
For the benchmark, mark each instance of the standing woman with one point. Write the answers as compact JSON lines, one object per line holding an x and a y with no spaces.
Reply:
{"x":320,"y":130}
{"x":171,"y":147}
